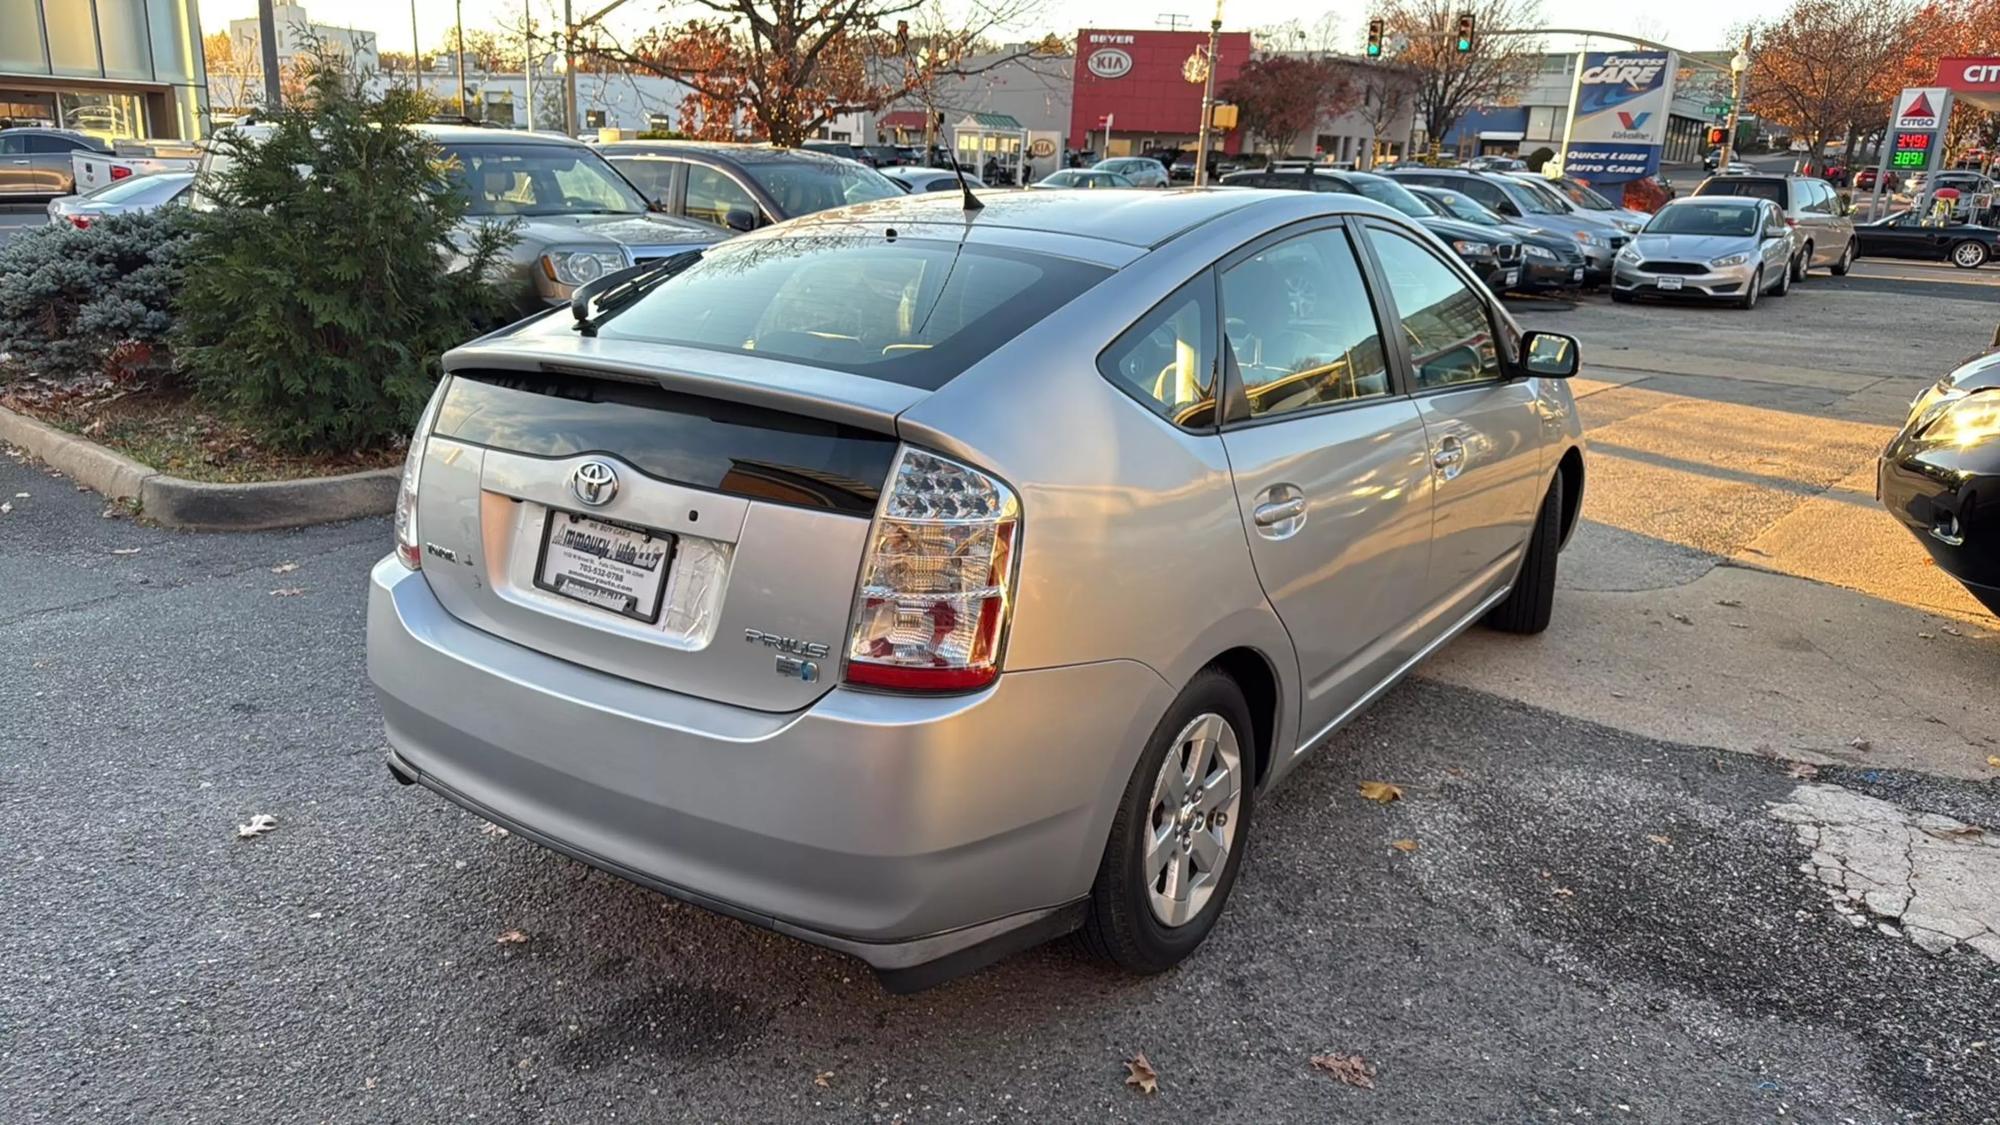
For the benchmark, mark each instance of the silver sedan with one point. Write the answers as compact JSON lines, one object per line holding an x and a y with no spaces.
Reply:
{"x":122,"y":197}
{"x":1727,"y":248}
{"x":925,"y":582}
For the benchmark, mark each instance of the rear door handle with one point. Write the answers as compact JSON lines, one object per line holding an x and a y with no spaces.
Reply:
{"x":1270,"y":515}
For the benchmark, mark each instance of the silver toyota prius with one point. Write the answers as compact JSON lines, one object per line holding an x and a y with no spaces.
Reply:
{"x":926,"y":581}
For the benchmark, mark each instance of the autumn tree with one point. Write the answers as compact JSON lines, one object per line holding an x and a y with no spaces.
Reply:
{"x":1940,"y":29}
{"x":1448,"y":82}
{"x":1826,"y":65}
{"x":235,"y":77}
{"x":1279,"y":97}
{"x":783,"y":68}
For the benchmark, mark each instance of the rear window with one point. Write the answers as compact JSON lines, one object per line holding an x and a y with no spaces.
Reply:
{"x":911,"y":311}
{"x":1773,"y":190}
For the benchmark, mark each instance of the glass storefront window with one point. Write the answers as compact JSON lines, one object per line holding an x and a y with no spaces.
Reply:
{"x":121,"y":29}
{"x":72,"y":29}
{"x":174,"y":58}
{"x":105,"y":116}
{"x":21,"y":39}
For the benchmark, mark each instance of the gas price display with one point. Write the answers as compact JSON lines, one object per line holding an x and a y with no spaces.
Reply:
{"x":1913,"y":150}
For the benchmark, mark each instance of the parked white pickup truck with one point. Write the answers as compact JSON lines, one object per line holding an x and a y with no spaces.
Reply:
{"x":132,"y":158}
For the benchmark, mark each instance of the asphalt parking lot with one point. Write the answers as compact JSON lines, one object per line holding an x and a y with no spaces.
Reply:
{"x":1604,"y":914}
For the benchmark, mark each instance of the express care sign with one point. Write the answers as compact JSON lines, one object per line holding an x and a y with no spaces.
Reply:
{"x":1135,"y":76}
{"x":1621,"y":115}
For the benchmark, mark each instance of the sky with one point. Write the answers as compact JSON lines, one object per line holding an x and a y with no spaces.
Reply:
{"x":1687,"y":24}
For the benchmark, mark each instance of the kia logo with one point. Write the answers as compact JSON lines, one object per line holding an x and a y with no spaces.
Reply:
{"x":594,"y":483}
{"x":1109,"y":62}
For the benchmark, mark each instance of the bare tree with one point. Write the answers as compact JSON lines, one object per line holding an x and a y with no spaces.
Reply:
{"x":1387,"y":93}
{"x":235,"y":77}
{"x":1319,"y":37}
{"x":790,"y":66}
{"x":1827,"y":65}
{"x":1449,"y":81}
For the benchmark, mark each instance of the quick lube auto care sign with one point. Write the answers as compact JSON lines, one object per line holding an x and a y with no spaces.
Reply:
{"x":1622,"y":104}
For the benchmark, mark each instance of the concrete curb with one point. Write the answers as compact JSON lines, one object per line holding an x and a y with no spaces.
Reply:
{"x":198,"y":505}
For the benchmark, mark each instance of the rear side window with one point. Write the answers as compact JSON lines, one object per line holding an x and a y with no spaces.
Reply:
{"x":911,"y":311}
{"x":51,"y":144}
{"x":1167,"y":360}
{"x":1773,"y":190}
{"x":1301,"y":326}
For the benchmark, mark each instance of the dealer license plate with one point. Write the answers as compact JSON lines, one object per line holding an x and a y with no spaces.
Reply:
{"x":1510,"y":279}
{"x":620,"y":569}
{"x":1576,"y":275}
{"x":1669,"y":283}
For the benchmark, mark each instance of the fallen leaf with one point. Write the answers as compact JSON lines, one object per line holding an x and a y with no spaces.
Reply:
{"x":287,"y":592}
{"x":824,"y":1079}
{"x":1139,"y":1072}
{"x":511,"y":937}
{"x":1860,"y":743}
{"x":1952,"y":629}
{"x":1993,"y":760}
{"x":1380,"y":791}
{"x":1927,"y":636}
{"x":1732,"y":603}
{"x":1350,"y":1069}
{"x":1562,"y":892}
{"x":1962,"y":832}
{"x":488,"y":828}
{"x":259,"y":824}
{"x":284,"y":568}
{"x":1739,"y":625}
{"x":1802,"y":770}
{"x":6,"y":506}
{"x":1682,"y":618}
{"x":1403,"y":845}
{"x":1663,"y":841}
{"x":20,"y":496}
{"x":124,"y":550}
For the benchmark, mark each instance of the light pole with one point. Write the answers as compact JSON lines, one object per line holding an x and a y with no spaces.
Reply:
{"x":528,"y":59}
{"x":1207,"y":100}
{"x":458,"y":15}
{"x":267,"y":38}
{"x":416,"y":47}
{"x":1737,"y":66}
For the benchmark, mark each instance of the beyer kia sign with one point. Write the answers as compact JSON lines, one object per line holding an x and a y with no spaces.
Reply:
{"x":1109,"y":62}
{"x":1917,"y":107}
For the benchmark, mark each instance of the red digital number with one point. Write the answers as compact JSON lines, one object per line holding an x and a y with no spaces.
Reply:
{"x":1919,"y":141}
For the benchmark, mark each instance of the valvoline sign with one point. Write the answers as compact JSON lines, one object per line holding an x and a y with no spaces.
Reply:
{"x":1621,"y":114}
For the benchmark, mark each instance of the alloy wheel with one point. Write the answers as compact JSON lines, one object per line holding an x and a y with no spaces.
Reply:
{"x":1969,"y":255}
{"x":1192,"y":820}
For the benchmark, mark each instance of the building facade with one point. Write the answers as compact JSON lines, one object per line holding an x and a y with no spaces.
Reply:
{"x":115,"y":69}
{"x":1536,"y":117}
{"x":1138,"y":83}
{"x":297,"y":35}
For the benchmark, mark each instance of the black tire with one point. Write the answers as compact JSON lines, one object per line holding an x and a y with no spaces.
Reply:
{"x":1528,"y":608}
{"x":1620,"y":297}
{"x":1800,"y":265}
{"x":1784,"y":285}
{"x":1755,"y":290}
{"x":1969,"y":255}
{"x":1847,"y":256}
{"x":1119,"y":925}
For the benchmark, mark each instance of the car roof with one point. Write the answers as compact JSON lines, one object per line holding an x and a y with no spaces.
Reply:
{"x":724,"y":151}
{"x":1725,"y":200}
{"x":1133,"y":218}
{"x":453,"y":134}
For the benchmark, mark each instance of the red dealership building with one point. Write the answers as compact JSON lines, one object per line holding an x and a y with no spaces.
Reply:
{"x":1135,"y":79}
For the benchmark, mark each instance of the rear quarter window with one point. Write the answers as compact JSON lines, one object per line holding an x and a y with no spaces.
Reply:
{"x":911,"y":311}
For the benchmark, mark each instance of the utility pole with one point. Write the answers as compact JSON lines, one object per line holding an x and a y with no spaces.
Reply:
{"x":267,"y":36}
{"x":458,"y":12}
{"x":416,"y":47}
{"x":570,"y":27}
{"x":1737,"y":66}
{"x":528,"y":58}
{"x":1207,"y":100}
{"x":1569,"y":118}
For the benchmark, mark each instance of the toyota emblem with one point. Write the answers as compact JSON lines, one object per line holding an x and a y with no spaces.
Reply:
{"x":594,"y":483}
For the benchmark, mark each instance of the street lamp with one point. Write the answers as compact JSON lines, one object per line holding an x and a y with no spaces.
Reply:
{"x":1737,"y":66}
{"x":1207,"y":99}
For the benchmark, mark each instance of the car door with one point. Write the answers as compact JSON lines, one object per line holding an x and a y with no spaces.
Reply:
{"x":1890,"y":238}
{"x":1775,"y":241}
{"x":16,"y":173}
{"x":1330,"y":460}
{"x":712,"y":194}
{"x":1484,"y":430}
{"x":50,"y":160}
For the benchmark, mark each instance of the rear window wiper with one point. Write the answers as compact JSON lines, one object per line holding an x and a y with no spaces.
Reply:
{"x":615,"y":291}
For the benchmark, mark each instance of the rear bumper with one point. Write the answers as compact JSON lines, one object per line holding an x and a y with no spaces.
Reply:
{"x":926,"y":836}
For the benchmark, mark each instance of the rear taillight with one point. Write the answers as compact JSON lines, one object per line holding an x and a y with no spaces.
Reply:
{"x":119,"y":171}
{"x":80,"y":222}
{"x":407,"y":548}
{"x":937,"y":585}
{"x":1791,"y":222}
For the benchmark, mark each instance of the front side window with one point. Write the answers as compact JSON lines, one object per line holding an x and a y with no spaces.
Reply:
{"x":712,"y":195}
{"x":1166,"y":360}
{"x":649,"y":174}
{"x":911,"y":311}
{"x":532,"y":179}
{"x":1445,"y":322}
{"x":1301,"y":327}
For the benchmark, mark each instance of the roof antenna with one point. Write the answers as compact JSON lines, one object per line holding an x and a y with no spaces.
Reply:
{"x":972,"y":204}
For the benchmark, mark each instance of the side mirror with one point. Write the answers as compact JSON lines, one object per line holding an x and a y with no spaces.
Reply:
{"x":1549,"y":355}
{"x":740,"y":219}
{"x":657,"y":206}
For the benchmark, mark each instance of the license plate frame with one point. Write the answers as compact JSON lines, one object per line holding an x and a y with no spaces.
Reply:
{"x":1668,"y":284}
{"x":1511,"y":278}
{"x":589,"y":575}
{"x":1576,"y":274}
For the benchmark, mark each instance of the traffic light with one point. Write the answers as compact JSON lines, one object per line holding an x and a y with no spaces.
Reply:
{"x":1715,"y":134}
{"x":1374,"y":39}
{"x":1464,"y":32}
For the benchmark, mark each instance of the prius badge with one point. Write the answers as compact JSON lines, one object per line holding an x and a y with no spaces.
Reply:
{"x":594,"y":483}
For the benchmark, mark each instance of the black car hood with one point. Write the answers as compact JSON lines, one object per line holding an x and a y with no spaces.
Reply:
{"x":1449,"y":229}
{"x":1980,"y":373}
{"x":1565,"y":249}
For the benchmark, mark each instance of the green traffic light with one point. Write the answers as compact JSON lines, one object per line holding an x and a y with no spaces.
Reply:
{"x":1465,"y":44}
{"x":1374,"y":50}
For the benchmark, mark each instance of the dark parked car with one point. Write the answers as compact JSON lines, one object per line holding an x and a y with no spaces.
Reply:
{"x":841,"y":149}
{"x":1548,"y":261}
{"x":1940,"y":476}
{"x":1901,"y":234}
{"x":37,"y":162}
{"x":1489,"y":253}
{"x":743,"y":187}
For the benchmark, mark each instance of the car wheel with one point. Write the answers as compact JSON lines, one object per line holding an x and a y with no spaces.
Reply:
{"x":1178,"y":837}
{"x":1784,"y":285}
{"x":1968,"y":255}
{"x":1846,"y":260}
{"x":1801,"y":264}
{"x":1528,"y":608}
{"x":1749,"y":298}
